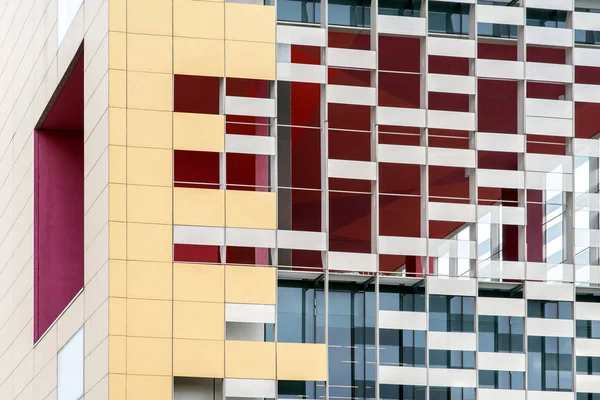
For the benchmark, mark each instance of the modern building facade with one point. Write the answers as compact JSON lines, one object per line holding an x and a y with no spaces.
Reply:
{"x":299,"y":199}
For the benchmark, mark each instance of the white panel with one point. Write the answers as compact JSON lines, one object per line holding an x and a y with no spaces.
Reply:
{"x":586,"y":21}
{"x":460,"y":341}
{"x":549,"y":36}
{"x":565,"y":5}
{"x":498,"y":178}
{"x":284,"y":54}
{"x":351,"y":95}
{"x":451,"y":120}
{"x":453,"y":377}
{"x":351,"y":58}
{"x":393,"y":375}
{"x":301,"y":240}
{"x":500,"y":394}
{"x":500,"y":306}
{"x":587,"y":347}
{"x":399,"y":154}
{"x":451,"y":248}
{"x":67,"y":9}
{"x":587,"y":383}
{"x":549,"y":181}
{"x":589,"y":57}
{"x":451,"y":83}
{"x":549,"y":272}
{"x":452,"y":157}
{"x":70,"y":368}
{"x":303,"y":35}
{"x":588,"y":200}
{"x":398,"y":25}
{"x":438,"y":46}
{"x":359,"y":262}
{"x":586,"y":147}
{"x":198,"y":389}
{"x":589,"y":311}
{"x":548,"y":163}
{"x":402,"y":320}
{"x":352,"y":169}
{"x":184,"y":234}
{"x":250,"y":237}
{"x":247,"y":144}
{"x":500,"y":69}
{"x":501,"y":215}
{"x":250,"y":313}
{"x":501,"y":361}
{"x":407,"y":246}
{"x":302,"y":73}
{"x":454,"y":286}
{"x":549,"y":72}
{"x":549,"y":126}
{"x":501,"y":142}
{"x":451,"y":212}
{"x":500,"y":15}
{"x":586,"y":93}
{"x":587,"y":237}
{"x":401,"y":116}
{"x":548,"y":291}
{"x":250,"y":106}
{"x":549,"y":108}
{"x":535,"y":395}
{"x":253,"y":388}
{"x":496,"y":269}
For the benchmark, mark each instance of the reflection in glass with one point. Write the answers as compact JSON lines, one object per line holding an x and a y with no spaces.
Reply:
{"x":306,"y":11}
{"x":350,"y":12}
{"x":500,"y":334}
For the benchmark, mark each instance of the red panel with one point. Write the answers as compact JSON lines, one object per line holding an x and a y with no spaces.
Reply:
{"x":399,"y":90}
{"x":356,"y":41}
{"x":349,"y":145}
{"x":507,"y":52}
{"x":196,"y":94}
{"x":406,"y":60}
{"x":196,"y":253}
{"x":247,"y":88}
{"x":196,"y":167}
{"x":349,"y":77}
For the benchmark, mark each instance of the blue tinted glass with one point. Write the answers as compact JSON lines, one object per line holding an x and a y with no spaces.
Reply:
{"x":517,"y":380}
{"x":565,"y":310}
{"x":299,"y":11}
{"x":487,"y":379}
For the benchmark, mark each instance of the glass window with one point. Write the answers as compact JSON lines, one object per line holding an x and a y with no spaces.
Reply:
{"x":300,"y":389}
{"x":451,"y":313}
{"x":588,"y":365}
{"x":402,"y":347}
{"x":452,"y":359}
{"x":401,"y":298}
{"x":549,"y":309}
{"x":307,"y":11}
{"x":350,"y":12}
{"x":300,"y":313}
{"x":550,"y":365}
{"x":405,"y":8}
{"x":587,"y":329}
{"x":546,"y":18}
{"x":587,"y":37}
{"x":588,"y":396}
{"x":402,"y":392}
{"x":500,"y":334}
{"x":512,"y":380}
{"x":70,"y":369}
{"x":451,"y":393}
{"x":450,"y":18}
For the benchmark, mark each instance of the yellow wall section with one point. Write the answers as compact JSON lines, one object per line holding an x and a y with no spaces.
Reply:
{"x":197,"y":320}
{"x":152,"y":17}
{"x":250,"y":60}
{"x":253,"y":360}
{"x":149,"y":318}
{"x":203,"y":207}
{"x":250,"y":22}
{"x":149,"y":166}
{"x":194,"y":56}
{"x":149,"y":280}
{"x":149,"y":204}
{"x":150,"y":91}
{"x":198,"y":282}
{"x":251,"y":209}
{"x":140,"y":387}
{"x":199,"y":19}
{"x":301,"y":362}
{"x":250,"y":285}
{"x":149,"y":242}
{"x":188,"y":353}
{"x":199,"y":132}
{"x":149,"y":53}
{"x":149,"y":128}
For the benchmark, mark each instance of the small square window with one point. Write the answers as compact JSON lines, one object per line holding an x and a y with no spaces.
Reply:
{"x":70,"y":369}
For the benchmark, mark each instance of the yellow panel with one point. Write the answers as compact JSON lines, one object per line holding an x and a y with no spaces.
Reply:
{"x":301,"y":362}
{"x":150,"y":129}
{"x":149,"y":356}
{"x":152,"y":17}
{"x":203,"y":207}
{"x":117,"y":168}
{"x":117,"y":386}
{"x":117,"y":85}
{"x":199,"y":282}
{"x":149,"y":280}
{"x":195,"y":56}
{"x":116,"y":354}
{"x":252,"y":360}
{"x":118,"y":278}
{"x":196,"y":320}
{"x":150,"y":91}
{"x":250,"y":60}
{"x":150,"y":204}
{"x":117,"y":126}
{"x":250,"y":22}
{"x":143,"y":387}
{"x":250,"y":285}
{"x":117,"y":204}
{"x":199,"y":19}
{"x":200,"y":132}
{"x":149,"y":166}
{"x":149,"y":53}
{"x":149,"y":242}
{"x":117,"y":54}
{"x":117,"y":232}
{"x":149,"y":318}
{"x":117,"y":316}
{"x":251,"y":209}
{"x":117,"y":15}
{"x":198,"y":358}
